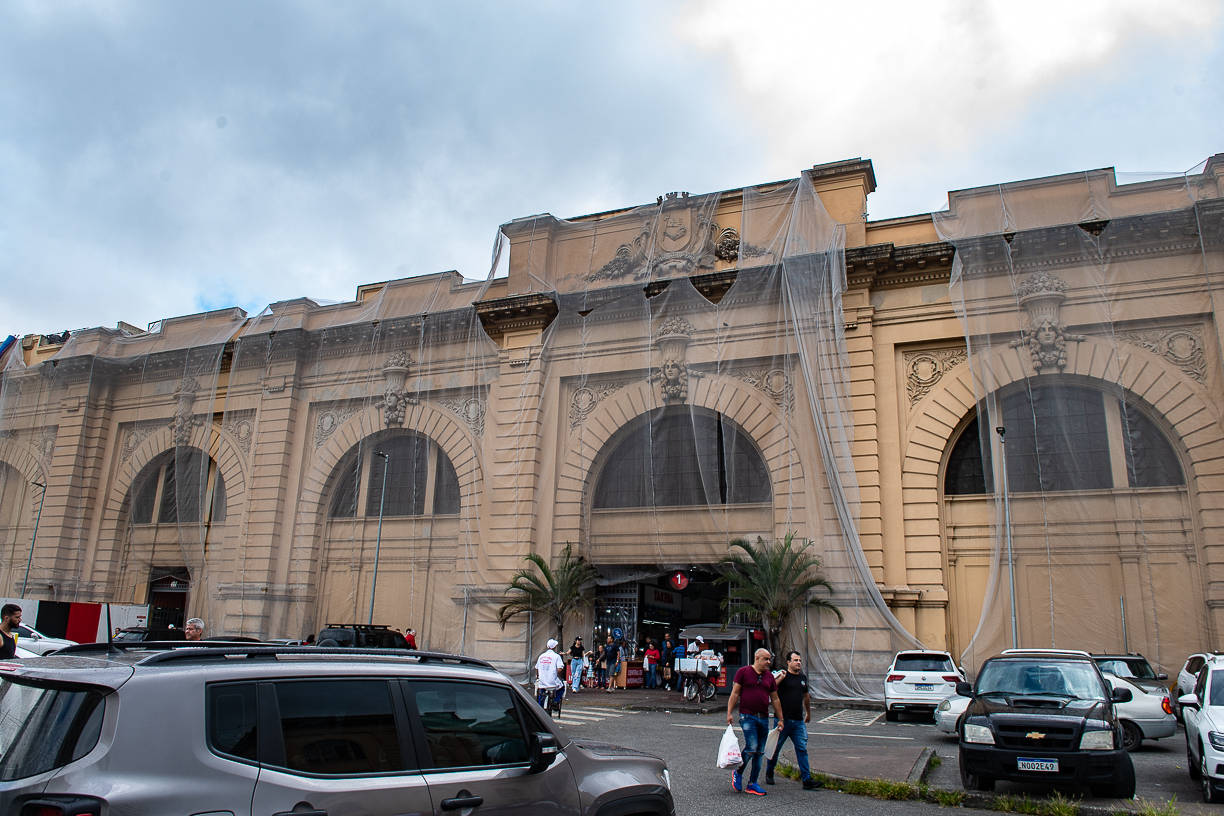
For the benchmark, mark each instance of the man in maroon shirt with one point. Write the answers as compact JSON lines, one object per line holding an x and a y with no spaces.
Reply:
{"x":754,"y":690}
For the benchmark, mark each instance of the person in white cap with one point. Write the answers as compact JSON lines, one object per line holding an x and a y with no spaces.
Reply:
{"x":547,"y":669}
{"x":695,"y":646}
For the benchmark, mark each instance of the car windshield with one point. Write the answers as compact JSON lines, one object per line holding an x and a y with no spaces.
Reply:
{"x":922,"y":663}
{"x":1038,"y":677}
{"x":1136,"y":667}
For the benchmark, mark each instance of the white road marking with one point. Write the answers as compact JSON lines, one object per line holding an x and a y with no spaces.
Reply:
{"x":852,"y":716}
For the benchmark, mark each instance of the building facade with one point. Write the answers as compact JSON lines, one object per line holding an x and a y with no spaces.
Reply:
{"x":650,"y":384}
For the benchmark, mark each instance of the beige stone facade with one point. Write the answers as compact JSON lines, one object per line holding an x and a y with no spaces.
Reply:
{"x":527,"y":413}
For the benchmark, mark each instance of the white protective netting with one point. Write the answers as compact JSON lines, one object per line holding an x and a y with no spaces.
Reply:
{"x":1088,"y":308}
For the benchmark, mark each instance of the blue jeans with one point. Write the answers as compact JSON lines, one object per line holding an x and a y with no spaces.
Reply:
{"x":796,"y":731}
{"x":575,"y":672}
{"x":651,"y":682}
{"x":756,"y":728}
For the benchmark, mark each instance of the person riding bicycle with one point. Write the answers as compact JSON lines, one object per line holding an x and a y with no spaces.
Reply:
{"x":548,"y":679}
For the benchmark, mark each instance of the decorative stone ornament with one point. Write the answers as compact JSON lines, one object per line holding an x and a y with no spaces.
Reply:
{"x":396,"y":399}
{"x":184,"y":423}
{"x":1041,"y":295}
{"x":674,"y":337}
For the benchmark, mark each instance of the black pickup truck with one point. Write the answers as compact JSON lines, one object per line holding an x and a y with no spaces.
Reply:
{"x":1044,"y":716}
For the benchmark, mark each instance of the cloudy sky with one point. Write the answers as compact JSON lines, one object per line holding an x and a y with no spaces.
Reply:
{"x":159,"y":159}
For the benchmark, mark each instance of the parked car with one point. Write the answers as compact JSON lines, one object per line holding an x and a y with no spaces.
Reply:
{"x":1187,"y":677}
{"x":1203,"y":715}
{"x":301,"y":730}
{"x":950,"y":712}
{"x":360,"y":635}
{"x":917,"y":681}
{"x":1148,"y":715}
{"x":1044,"y":716}
{"x":139,"y":634}
{"x":1135,"y":669}
{"x":38,"y":643}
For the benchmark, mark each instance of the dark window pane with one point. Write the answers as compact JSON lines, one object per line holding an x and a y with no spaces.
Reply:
{"x":232,"y":720}
{"x":409,"y":466}
{"x":446,"y":487}
{"x":967,"y":473}
{"x":146,"y":494}
{"x":680,"y":458}
{"x":1150,"y":460}
{"x":338,"y":726}
{"x":344,"y":497}
{"x":183,"y":487}
{"x":470,"y":724}
{"x":43,"y":728}
{"x":218,"y":501}
{"x":1056,"y":440}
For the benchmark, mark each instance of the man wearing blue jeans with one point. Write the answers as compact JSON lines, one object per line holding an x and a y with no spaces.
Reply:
{"x":797,"y":709}
{"x":753,"y":690}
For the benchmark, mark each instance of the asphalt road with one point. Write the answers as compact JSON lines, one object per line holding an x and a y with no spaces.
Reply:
{"x":689,"y":743}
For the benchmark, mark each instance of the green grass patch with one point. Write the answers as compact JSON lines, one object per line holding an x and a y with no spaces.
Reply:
{"x":1147,"y":808}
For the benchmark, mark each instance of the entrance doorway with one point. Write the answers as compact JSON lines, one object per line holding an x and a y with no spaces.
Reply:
{"x":168,"y":588}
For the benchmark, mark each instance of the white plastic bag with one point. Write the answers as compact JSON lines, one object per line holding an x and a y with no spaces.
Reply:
{"x":771,"y":742}
{"x":729,"y":755}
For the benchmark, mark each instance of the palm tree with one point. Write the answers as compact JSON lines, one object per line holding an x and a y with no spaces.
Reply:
{"x":556,"y":592}
{"x":770,"y":581}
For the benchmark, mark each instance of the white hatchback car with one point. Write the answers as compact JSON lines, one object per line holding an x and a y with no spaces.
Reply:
{"x":38,"y":643}
{"x":917,"y":681}
{"x":1203,"y":715}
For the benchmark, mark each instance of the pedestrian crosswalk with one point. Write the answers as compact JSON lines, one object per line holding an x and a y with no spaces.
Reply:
{"x":587,"y":716}
{"x":852,"y":716}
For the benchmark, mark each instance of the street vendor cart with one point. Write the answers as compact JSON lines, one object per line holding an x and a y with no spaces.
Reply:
{"x":704,"y":674}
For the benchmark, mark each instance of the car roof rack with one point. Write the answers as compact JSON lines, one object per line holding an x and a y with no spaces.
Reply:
{"x":382,"y":626}
{"x":174,"y":650}
{"x":1049,"y":652}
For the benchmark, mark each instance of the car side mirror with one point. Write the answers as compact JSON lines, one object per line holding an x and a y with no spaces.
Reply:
{"x":964,"y":689}
{"x":544,"y":750}
{"x":1120,"y":695}
{"x":1162,"y":676}
{"x":1188,"y":701}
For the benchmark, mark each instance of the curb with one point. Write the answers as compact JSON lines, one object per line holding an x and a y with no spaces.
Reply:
{"x":922,"y":766}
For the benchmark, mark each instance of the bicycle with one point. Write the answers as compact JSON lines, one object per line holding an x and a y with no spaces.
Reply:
{"x":551,"y":702}
{"x":697,"y":685}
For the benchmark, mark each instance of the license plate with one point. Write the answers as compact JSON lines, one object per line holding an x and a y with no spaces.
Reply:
{"x":1043,"y":765}
{"x":924,"y":686}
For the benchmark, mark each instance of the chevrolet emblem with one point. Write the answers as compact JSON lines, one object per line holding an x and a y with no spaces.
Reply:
{"x":1034,"y":735}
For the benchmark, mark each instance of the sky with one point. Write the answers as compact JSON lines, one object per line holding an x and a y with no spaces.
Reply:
{"x":160,"y":159}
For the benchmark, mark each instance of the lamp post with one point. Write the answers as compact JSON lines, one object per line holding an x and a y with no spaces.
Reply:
{"x":25,"y":581}
{"x":1007,"y":531}
{"x":382,"y":500}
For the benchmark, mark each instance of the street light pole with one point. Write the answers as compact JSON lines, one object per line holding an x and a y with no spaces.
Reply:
{"x":25,"y":581}
{"x":382,"y":500}
{"x":1007,"y":530}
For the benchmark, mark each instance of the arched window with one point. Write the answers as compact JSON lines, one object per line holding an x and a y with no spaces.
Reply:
{"x":181,"y":486}
{"x":1062,"y":438}
{"x":682,"y":457}
{"x":419,"y":475}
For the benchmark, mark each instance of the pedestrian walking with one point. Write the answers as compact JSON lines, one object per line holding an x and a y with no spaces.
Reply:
{"x":677,"y":654}
{"x":410,"y":639}
{"x":576,"y":654}
{"x":10,"y":619}
{"x":797,"y":711}
{"x":754,"y":690}
{"x":607,"y":656}
{"x":666,"y":647}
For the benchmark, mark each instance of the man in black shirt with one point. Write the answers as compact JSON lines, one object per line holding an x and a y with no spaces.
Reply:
{"x":796,"y":711}
{"x":10,"y":619}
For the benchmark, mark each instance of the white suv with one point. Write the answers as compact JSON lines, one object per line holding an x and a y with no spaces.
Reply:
{"x":919,"y":680}
{"x":1203,"y":715}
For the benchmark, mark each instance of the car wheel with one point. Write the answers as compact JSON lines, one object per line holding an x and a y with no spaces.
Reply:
{"x":1191,"y":762}
{"x":1132,"y":737}
{"x":1211,"y":793}
{"x":976,"y":782}
{"x":328,"y":642}
{"x":890,"y":715}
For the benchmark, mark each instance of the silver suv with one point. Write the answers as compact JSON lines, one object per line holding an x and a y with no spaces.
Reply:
{"x":271,"y":730}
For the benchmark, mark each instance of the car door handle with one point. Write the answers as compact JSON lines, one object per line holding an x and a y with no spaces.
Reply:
{"x":300,"y":813}
{"x":460,"y":802}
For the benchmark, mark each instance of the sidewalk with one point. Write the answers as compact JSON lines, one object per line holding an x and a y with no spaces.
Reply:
{"x":894,"y":761}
